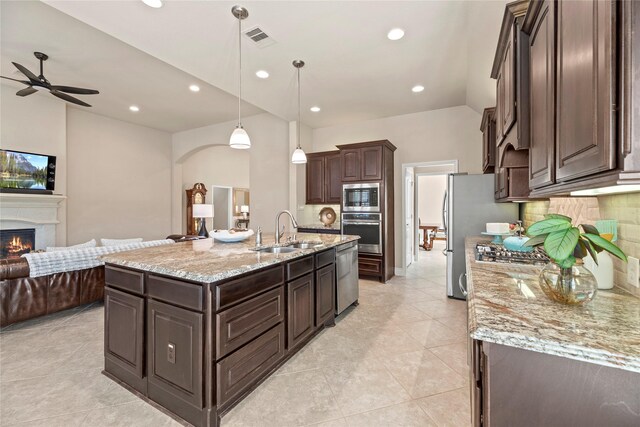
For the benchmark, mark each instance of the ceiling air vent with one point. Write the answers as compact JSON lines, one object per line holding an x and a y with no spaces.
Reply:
{"x":261,"y":38}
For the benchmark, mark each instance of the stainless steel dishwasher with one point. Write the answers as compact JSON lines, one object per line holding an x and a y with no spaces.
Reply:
{"x":347,"y":272}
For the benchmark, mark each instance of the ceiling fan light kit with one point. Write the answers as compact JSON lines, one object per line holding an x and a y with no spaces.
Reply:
{"x":40,"y":83}
{"x":239,"y":138}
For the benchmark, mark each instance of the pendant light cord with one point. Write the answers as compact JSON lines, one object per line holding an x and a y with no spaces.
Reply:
{"x":239,"y":68}
{"x":298,"y":108}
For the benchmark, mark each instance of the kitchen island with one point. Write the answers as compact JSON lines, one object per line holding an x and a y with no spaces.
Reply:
{"x":537,"y":362}
{"x":196,"y":326}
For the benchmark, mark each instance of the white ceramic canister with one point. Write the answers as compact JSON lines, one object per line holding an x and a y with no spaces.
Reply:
{"x":603,"y":272}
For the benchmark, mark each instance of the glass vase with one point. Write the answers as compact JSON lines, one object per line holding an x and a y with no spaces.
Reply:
{"x":571,"y":286}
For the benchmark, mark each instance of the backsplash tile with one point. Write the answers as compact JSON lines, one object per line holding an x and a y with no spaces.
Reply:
{"x":622,"y":207}
{"x":310,"y":215}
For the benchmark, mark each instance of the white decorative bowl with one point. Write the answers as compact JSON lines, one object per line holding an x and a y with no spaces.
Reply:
{"x":225,"y":236}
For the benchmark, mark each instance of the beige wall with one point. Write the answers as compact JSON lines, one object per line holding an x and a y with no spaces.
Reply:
{"x":623,"y":207}
{"x":268,"y":169}
{"x":447,"y":134}
{"x":37,"y":124}
{"x":216,"y":165}
{"x":119,"y":178}
{"x":431,"y":189}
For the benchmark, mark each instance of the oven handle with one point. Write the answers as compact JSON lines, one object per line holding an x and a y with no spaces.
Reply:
{"x":361,"y":223}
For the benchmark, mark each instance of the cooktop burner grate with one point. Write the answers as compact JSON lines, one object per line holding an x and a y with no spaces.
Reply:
{"x":490,"y":252}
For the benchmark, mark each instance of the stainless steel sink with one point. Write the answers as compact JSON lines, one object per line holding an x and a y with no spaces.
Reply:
{"x":277,"y":250}
{"x":306,"y":245}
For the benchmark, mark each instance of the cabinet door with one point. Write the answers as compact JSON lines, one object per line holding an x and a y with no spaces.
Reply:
{"x":175,"y":355}
{"x":371,"y":163}
{"x":542,"y":80}
{"x":124,"y":333}
{"x":585,"y":140}
{"x":509,"y":84}
{"x":315,"y":180}
{"x":503,"y":188}
{"x":333,"y":179}
{"x":350,"y":164}
{"x":300,"y":316}
{"x":489,"y":143}
{"x":325,"y":294}
{"x":499,"y":109}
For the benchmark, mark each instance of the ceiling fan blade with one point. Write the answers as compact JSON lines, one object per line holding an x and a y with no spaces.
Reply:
{"x":26,"y":91}
{"x":78,"y":90}
{"x":69,"y":98}
{"x":16,"y":80}
{"x":26,"y":72}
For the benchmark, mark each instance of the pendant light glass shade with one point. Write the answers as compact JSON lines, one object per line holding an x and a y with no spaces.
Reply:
{"x":239,"y":137}
{"x":298,"y":157}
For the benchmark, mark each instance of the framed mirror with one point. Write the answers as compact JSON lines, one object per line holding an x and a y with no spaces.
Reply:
{"x":240,"y":198}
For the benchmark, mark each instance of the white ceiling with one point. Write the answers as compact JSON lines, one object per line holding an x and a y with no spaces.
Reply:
{"x":353,"y":71}
{"x":82,"y":56}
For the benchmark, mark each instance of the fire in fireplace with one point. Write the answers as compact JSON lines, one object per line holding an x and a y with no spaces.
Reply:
{"x":14,"y":243}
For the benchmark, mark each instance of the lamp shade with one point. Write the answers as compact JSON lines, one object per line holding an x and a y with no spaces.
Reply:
{"x":298,"y":156}
{"x":239,"y":139}
{"x":203,"y":211}
{"x":244,"y":209}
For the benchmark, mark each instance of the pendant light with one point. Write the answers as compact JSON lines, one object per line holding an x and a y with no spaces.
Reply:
{"x":239,"y":138}
{"x":298,"y":156}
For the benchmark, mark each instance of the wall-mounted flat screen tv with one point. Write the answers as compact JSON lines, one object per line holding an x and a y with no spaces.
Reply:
{"x":27,"y":172}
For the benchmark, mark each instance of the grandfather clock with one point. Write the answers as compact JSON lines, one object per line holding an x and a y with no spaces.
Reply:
{"x":195,"y":196}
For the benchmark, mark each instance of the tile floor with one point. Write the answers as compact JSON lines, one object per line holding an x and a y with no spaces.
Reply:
{"x":398,"y":359}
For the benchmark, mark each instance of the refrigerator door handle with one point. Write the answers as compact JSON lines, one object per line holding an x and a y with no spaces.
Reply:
{"x":463,"y":289}
{"x":444,"y":212}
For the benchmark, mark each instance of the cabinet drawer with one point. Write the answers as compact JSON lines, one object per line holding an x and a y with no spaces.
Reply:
{"x":242,"y":369}
{"x":175,"y":292}
{"x":174,"y":356}
{"x":299,"y":267}
{"x":325,"y":258}
{"x":370,"y":266}
{"x":128,"y":280}
{"x":242,"y":323}
{"x":244,"y":288}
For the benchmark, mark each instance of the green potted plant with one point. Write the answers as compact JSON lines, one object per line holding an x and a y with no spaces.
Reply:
{"x":565,"y":279}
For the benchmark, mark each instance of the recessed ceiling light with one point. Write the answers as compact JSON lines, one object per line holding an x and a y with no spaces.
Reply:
{"x":417,"y":89}
{"x":315,"y":109}
{"x":194,"y":88}
{"x":262,"y":74}
{"x":153,"y":3}
{"x":134,"y":108}
{"x":395,"y":34}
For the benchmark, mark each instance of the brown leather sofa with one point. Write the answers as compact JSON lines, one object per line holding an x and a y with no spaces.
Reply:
{"x":23,"y":297}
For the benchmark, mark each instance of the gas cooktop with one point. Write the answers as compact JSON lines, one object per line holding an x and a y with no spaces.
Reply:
{"x":491,"y":252}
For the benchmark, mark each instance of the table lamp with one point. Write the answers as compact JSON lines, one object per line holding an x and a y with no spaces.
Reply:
{"x":245,"y":211}
{"x":203,"y":211}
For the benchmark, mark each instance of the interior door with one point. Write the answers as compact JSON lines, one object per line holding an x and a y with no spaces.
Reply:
{"x":409,"y":218}
{"x":222,"y":212}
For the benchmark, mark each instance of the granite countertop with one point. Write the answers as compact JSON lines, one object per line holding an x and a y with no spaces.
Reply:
{"x":506,"y":306}
{"x":321,"y":226}
{"x":209,"y":261}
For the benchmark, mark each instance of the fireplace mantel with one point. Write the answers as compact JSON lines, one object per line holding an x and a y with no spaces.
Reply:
{"x":38,"y":210}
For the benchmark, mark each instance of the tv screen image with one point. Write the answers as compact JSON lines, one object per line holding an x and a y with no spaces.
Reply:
{"x":26,"y":171}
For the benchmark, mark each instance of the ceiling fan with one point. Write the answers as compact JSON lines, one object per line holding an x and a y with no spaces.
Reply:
{"x":37,"y":83}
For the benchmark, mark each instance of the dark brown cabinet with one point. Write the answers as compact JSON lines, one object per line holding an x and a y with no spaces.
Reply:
{"x":350,"y":164}
{"x":542,"y":97}
{"x":371,"y":163}
{"x":124,"y":337}
{"x":300,"y":317}
{"x":175,"y":358}
{"x":508,"y":93}
{"x":585,"y":88}
{"x":488,"y":129}
{"x":323,"y":175}
{"x":325,"y":294}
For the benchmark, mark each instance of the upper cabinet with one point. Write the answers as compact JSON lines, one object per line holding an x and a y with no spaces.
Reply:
{"x":488,"y":128}
{"x":363,"y":161}
{"x":585,"y":95}
{"x":510,"y":69}
{"x":324,"y":184}
{"x":350,"y":164}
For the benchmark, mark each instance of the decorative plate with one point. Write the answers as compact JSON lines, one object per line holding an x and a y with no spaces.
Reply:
{"x":229,"y":237}
{"x":327,"y":216}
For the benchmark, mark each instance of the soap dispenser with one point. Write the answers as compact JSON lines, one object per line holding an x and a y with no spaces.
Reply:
{"x":516,"y":243}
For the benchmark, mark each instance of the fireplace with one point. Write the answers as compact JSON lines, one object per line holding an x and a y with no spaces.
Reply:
{"x":14,"y":243}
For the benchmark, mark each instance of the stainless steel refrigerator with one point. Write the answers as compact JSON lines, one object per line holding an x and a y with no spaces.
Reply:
{"x":468,"y":205}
